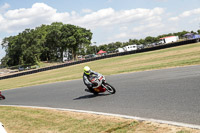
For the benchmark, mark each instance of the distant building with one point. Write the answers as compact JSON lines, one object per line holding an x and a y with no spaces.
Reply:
{"x":130,"y":47}
{"x":67,"y":55}
{"x":169,"y":39}
{"x":119,"y":50}
{"x":127,"y":48}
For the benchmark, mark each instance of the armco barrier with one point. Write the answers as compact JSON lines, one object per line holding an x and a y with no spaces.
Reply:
{"x":102,"y":57}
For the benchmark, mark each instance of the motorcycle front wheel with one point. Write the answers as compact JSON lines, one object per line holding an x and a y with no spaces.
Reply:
{"x":110,"y":88}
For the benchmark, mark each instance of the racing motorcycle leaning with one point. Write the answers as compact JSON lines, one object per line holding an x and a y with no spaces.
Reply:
{"x":100,"y":85}
{"x":1,"y":96}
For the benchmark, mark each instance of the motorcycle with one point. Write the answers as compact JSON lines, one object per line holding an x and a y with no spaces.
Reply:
{"x":2,"y":96}
{"x":100,"y":85}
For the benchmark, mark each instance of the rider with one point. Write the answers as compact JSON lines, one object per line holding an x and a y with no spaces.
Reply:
{"x":88,"y":73}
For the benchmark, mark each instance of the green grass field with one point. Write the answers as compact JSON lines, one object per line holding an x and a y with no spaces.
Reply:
{"x":29,"y":120}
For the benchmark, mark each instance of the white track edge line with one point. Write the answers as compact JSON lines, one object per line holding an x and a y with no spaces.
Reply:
{"x":116,"y":115}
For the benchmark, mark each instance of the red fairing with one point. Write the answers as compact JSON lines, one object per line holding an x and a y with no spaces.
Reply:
{"x":101,"y":78}
{"x":102,"y":89}
{"x":93,"y":80}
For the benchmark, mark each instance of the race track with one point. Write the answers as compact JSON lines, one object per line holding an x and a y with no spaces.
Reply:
{"x":169,"y":94}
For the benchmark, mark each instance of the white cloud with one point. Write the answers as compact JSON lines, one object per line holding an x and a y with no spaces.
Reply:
{"x":117,"y":24}
{"x":109,"y":1}
{"x":196,"y":20}
{"x":109,"y":17}
{"x":123,"y":28}
{"x":19,"y":19}
{"x":99,"y":18}
{"x":138,"y":23}
{"x":86,"y":10}
{"x":119,"y":36}
{"x":41,"y":13}
{"x":4,"y":7}
{"x":174,"y":18}
{"x":191,"y":12}
{"x":38,"y":9}
{"x":140,"y":31}
{"x":186,"y":14}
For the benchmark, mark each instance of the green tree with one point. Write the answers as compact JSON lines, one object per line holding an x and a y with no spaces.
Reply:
{"x":47,"y":42}
{"x":53,"y":41}
{"x":22,"y":49}
{"x":12,"y":51}
{"x":198,"y":31}
{"x":150,"y":39}
{"x":75,"y":38}
{"x":41,"y":33}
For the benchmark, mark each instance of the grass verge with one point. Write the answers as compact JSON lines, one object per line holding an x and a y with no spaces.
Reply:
{"x":30,"y":120}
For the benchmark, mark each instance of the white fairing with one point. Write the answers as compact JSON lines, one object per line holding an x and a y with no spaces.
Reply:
{"x":98,"y":81}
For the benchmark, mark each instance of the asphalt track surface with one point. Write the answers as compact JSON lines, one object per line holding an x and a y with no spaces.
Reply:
{"x":169,"y":94}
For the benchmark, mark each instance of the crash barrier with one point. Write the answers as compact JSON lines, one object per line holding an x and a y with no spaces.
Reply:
{"x":162,"y":46}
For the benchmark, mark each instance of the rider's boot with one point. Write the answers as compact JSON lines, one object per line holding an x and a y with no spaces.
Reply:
{"x":87,"y":90}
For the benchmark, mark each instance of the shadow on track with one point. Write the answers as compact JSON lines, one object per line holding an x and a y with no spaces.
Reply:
{"x":89,"y":96}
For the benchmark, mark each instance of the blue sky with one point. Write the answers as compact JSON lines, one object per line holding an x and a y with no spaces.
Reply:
{"x":109,"y":20}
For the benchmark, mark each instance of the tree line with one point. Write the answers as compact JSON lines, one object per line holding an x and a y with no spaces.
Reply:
{"x":48,"y":42}
{"x":111,"y":47}
{"x":45,"y":43}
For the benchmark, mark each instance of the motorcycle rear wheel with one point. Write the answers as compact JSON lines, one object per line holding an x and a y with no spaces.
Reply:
{"x":110,"y":88}
{"x":2,"y":97}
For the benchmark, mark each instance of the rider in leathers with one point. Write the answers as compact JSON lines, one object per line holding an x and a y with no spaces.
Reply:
{"x":88,"y":73}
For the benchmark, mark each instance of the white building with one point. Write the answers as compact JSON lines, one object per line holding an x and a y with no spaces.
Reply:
{"x":119,"y":50}
{"x":169,"y":39}
{"x":130,"y":47}
{"x":67,"y":55}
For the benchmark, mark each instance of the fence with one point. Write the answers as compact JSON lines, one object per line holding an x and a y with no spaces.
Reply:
{"x":102,"y":57}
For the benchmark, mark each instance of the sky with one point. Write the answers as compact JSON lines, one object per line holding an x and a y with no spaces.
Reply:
{"x":109,"y":20}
